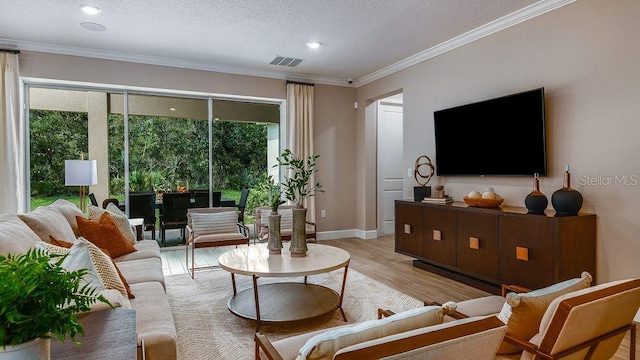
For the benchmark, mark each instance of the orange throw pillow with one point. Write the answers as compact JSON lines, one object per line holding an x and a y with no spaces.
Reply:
{"x":68,"y":245}
{"x":105,"y":235}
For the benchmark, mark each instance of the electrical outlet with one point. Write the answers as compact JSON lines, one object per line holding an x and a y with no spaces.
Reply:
{"x":323,"y":213}
{"x":409,"y":172}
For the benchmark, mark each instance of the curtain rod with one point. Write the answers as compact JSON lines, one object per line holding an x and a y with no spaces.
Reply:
{"x":12,"y":51}
{"x":299,"y":83}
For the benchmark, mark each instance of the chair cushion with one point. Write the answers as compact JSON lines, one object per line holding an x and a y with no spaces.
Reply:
{"x":15,"y":236}
{"x":523,"y":312}
{"x":326,"y":344}
{"x":85,"y":255}
{"x":118,"y":217}
{"x":105,"y":234}
{"x":45,"y":221}
{"x":214,"y":223}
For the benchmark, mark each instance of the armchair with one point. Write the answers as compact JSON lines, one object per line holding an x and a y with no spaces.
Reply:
{"x":212,"y":227}
{"x":392,"y":337}
{"x":575,"y":323}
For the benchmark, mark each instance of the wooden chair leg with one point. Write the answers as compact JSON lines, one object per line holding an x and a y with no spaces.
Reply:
{"x":632,"y":343}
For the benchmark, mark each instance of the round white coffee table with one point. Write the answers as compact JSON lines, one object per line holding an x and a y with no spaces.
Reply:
{"x":284,"y":301}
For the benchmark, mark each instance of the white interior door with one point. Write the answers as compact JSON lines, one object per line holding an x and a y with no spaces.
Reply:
{"x":390,"y":162}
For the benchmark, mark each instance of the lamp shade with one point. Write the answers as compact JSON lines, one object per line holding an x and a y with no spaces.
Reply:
{"x":80,"y":172}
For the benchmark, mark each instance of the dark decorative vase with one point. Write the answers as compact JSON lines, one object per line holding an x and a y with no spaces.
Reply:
{"x":566,"y":201}
{"x":536,"y":202}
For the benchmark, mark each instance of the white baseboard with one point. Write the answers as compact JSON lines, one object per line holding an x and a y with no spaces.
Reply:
{"x":343,"y":234}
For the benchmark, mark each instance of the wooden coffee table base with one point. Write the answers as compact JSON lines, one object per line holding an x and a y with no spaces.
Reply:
{"x":285,"y":302}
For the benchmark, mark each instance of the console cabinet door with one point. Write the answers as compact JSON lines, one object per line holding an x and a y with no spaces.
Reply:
{"x":477,"y":243}
{"x":409,"y":229}
{"x":439,"y":238}
{"x":527,"y":251}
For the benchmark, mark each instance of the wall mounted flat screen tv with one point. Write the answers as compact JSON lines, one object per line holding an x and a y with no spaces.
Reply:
{"x":500,"y":136}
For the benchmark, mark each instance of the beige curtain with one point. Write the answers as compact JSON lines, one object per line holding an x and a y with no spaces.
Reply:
{"x":300,"y":130}
{"x":11,"y":181}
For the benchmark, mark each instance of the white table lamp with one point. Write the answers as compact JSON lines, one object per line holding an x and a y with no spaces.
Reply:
{"x":81,"y":173}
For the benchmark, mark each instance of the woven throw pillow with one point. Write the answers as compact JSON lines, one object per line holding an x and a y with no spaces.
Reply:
{"x":523,"y":312}
{"x":85,"y":255}
{"x":105,"y":235}
{"x":326,"y":344}
{"x":68,"y":245}
{"x":214,"y":223}
{"x":119,"y":218}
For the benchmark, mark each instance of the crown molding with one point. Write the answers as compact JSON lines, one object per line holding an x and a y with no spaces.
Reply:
{"x":164,"y":61}
{"x":507,"y":21}
{"x":504,"y":22}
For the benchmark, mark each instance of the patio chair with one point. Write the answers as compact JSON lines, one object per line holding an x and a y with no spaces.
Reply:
{"x":212,"y":227}
{"x":244,"y":195}
{"x":200,"y":199}
{"x":143,"y":205}
{"x":92,"y":198}
{"x":174,"y":213}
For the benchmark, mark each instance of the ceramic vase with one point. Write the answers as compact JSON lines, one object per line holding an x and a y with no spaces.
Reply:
{"x":566,"y":201}
{"x":298,"y":245}
{"x":36,"y":349}
{"x":536,"y":202}
{"x":274,"y":243}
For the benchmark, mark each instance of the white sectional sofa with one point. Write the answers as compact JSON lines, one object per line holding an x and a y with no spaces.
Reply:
{"x":142,"y":270}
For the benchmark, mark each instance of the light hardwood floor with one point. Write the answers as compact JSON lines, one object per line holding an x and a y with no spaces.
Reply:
{"x":376,"y":259}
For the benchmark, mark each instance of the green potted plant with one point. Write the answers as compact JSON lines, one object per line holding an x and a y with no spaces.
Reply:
{"x":297,"y":187}
{"x":39,"y":299}
{"x":296,"y":184}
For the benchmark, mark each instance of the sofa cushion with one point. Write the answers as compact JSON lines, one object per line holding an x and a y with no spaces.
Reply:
{"x":102,"y":273}
{"x":214,"y":223}
{"x":145,"y":249}
{"x":47,"y":220}
{"x":142,"y":270}
{"x":154,"y":321}
{"x":523,"y":312}
{"x":118,"y":217}
{"x":69,"y":210}
{"x":15,"y":236}
{"x":488,"y":305}
{"x":326,"y":344}
{"x":105,"y":234}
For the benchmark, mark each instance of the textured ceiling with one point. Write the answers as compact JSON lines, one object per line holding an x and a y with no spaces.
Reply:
{"x":359,"y":37}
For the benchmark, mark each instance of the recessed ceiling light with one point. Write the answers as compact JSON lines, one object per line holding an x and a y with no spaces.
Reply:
{"x":93,"y":26}
{"x":90,"y":9}
{"x":314,"y":44}
{"x":172,"y":109}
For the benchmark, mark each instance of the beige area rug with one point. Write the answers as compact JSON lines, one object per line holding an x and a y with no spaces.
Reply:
{"x":208,"y":330}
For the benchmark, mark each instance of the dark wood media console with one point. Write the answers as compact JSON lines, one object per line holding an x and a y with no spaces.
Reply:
{"x":486,"y":248}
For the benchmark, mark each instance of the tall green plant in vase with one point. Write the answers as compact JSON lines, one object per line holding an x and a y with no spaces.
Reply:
{"x":297,"y":187}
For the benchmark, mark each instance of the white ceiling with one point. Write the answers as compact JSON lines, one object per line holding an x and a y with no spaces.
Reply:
{"x":362,"y":39}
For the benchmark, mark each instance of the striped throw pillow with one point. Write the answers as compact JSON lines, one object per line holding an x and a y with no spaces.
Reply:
{"x":214,"y":223}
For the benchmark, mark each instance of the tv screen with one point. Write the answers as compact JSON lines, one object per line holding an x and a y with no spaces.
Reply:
{"x":500,"y":136}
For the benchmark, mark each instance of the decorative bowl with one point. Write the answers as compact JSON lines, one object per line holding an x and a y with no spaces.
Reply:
{"x":483,"y":203}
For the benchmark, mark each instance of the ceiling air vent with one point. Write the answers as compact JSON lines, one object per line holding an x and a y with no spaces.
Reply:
{"x":285,"y":61}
